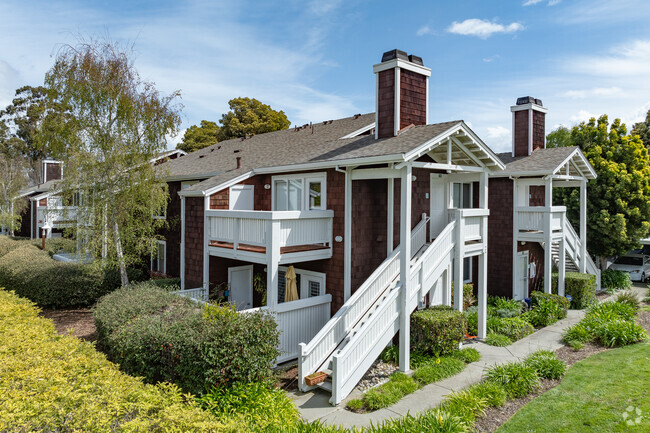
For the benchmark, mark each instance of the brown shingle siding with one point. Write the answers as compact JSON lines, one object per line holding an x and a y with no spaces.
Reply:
{"x":500,"y":202}
{"x":521,"y":133}
{"x":413,"y":98}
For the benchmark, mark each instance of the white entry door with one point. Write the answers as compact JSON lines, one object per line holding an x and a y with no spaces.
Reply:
{"x":439,"y":204}
{"x":521,"y":273}
{"x":240,"y":282}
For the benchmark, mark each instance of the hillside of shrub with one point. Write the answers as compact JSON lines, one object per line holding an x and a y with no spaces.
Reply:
{"x":32,"y":273}
{"x":59,"y":384}
{"x":163,"y":337}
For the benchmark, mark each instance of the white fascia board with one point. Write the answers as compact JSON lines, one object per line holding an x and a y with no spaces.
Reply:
{"x":529,"y":106}
{"x":581,"y":162}
{"x":331,"y":164}
{"x":45,"y":195}
{"x":212,"y":190}
{"x":358,"y":131}
{"x":399,"y":63}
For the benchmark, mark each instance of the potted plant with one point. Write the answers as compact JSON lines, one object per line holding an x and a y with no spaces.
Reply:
{"x":315,"y":378}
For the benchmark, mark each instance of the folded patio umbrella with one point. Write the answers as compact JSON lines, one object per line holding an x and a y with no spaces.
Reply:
{"x":291,"y":292}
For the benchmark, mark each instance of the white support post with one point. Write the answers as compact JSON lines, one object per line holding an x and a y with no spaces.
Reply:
{"x":482,"y":295}
{"x":272,"y":263}
{"x":548,"y":235}
{"x":347,"y":237}
{"x":397,"y":106}
{"x":206,"y":240}
{"x":182,"y":264}
{"x":561,"y":266}
{"x":459,"y":261}
{"x":390,"y":219}
{"x":583,"y":225}
{"x":405,"y":268}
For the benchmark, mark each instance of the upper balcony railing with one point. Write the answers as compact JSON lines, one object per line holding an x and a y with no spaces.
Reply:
{"x":473,"y":223}
{"x":57,"y":216}
{"x":535,"y":218}
{"x":247,"y":233}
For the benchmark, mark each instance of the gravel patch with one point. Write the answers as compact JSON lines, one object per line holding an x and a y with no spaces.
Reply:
{"x":378,"y":373}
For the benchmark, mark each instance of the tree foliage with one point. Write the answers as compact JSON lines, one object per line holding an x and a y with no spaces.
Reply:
{"x":618,"y":200}
{"x":642,"y":129}
{"x":116,"y":124}
{"x":13,"y":177}
{"x":198,"y":137}
{"x":561,"y":137}
{"x":250,"y":116}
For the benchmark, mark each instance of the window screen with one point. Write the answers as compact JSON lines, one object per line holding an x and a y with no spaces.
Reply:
{"x":314,"y":288}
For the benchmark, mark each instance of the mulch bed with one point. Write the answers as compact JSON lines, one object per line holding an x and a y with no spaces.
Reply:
{"x":80,"y":322}
{"x":288,"y":378}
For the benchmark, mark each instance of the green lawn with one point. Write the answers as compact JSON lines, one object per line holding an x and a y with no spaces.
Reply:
{"x":593,"y":397}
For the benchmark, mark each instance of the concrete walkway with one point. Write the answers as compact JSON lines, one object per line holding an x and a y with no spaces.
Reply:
{"x":314,"y":405}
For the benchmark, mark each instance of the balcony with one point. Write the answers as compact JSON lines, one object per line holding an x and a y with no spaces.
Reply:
{"x":533,"y":223}
{"x":472,"y":226}
{"x":297,"y":236}
{"x":58,"y":216}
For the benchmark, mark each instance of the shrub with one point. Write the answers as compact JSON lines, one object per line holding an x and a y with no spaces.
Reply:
{"x":53,"y":383}
{"x":467,"y":355}
{"x":390,"y":392}
{"x":431,"y":421}
{"x":492,"y":392}
{"x":160,"y":336}
{"x":255,"y":403}
{"x":170,"y":284}
{"x":500,"y":340}
{"x":8,"y":244}
{"x":437,"y":331}
{"x":467,"y":405}
{"x":629,"y":298}
{"x":614,"y":280}
{"x":581,"y":287}
{"x":619,"y":332}
{"x":390,"y":354}
{"x":505,"y":307}
{"x":611,"y":310}
{"x":546,"y":364}
{"x":576,"y":335}
{"x":355,"y":405}
{"x":516,"y":378}
{"x":544,"y":313}
{"x":562,"y":302}
{"x":438,"y":369}
{"x":515,"y":328}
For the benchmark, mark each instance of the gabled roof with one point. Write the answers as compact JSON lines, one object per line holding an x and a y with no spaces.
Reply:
{"x":35,"y":189}
{"x":319,"y":146}
{"x":545,"y":162}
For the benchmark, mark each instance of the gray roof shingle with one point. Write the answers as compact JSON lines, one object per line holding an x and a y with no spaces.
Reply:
{"x":541,"y":161}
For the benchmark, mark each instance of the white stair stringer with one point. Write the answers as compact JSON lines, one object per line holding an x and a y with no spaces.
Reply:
{"x":350,"y":361}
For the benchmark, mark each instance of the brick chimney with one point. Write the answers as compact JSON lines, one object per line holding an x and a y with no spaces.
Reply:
{"x":528,"y":126}
{"x":402,"y":93}
{"x":52,"y":170}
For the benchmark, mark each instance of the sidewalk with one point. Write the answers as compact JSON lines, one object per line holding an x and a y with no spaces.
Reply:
{"x":314,"y":405}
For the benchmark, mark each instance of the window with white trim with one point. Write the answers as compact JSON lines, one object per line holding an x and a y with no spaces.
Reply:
{"x":159,"y":257}
{"x":299,"y":192}
{"x":462,"y":197}
{"x":310,"y":284}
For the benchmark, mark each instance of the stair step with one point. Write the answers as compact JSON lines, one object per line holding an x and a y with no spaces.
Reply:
{"x":327,"y":386}
{"x":328,"y":372}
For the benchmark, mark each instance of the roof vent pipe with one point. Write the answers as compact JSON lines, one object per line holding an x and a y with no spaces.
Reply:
{"x":238,"y":162}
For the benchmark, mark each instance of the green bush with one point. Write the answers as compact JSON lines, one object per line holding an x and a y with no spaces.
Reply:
{"x":492,"y":392}
{"x":256,"y":403}
{"x":581,"y":287}
{"x":611,"y":310}
{"x":467,"y":405}
{"x":629,"y":298}
{"x":438,"y":369}
{"x":614,"y":280}
{"x":576,"y":335}
{"x":160,"y":336}
{"x":356,"y":404}
{"x":51,"y":383}
{"x":546,"y":311}
{"x":31,"y":273}
{"x":546,"y":364}
{"x":563,"y":303}
{"x":432,"y":421}
{"x":516,"y":378}
{"x":504,"y":307}
{"x":515,"y":328}
{"x":8,"y":244}
{"x":467,"y":355}
{"x":619,"y":332}
{"x":390,"y":392}
{"x":56,"y":245}
{"x":500,"y":340}
{"x":437,"y":331}
{"x":170,"y":284}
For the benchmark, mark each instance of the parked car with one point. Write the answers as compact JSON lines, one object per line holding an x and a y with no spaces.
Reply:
{"x":635,"y":264}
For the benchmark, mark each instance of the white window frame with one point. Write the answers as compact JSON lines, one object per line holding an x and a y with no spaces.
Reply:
{"x":305,"y":178}
{"x":305,"y":277}
{"x":156,"y":259}
{"x":462,"y":195}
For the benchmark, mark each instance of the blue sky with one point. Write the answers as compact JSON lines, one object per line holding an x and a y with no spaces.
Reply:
{"x":313,"y":59}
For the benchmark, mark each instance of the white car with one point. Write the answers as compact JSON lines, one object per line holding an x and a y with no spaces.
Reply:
{"x":637,"y":265}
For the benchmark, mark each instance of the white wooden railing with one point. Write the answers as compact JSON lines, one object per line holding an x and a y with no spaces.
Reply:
{"x":419,"y":235}
{"x":199,"y":294}
{"x":56,"y":215}
{"x":534,"y":218}
{"x":350,"y":364}
{"x":472,"y":223}
{"x":319,"y":349}
{"x":299,"y":321}
{"x":574,"y":249}
{"x":256,"y":227}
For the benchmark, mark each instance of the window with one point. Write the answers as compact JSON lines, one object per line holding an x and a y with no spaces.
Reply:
{"x":299,"y":192}
{"x":309,"y":283}
{"x":467,"y":269}
{"x":462,"y":195}
{"x":159,"y":258}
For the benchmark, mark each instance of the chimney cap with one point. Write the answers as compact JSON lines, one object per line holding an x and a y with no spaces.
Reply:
{"x":394,"y":54}
{"x":415,"y":59}
{"x":529,"y":100}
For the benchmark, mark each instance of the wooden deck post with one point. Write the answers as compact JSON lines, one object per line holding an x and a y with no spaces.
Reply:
{"x":390,"y":221}
{"x":482,"y":259}
{"x":561,"y":266}
{"x":272,"y":263}
{"x":347,"y":237}
{"x":405,"y":268}
{"x":206,"y":240}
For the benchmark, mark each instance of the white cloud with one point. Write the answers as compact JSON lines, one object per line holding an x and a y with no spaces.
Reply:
{"x":532,"y":2}
{"x":491,"y":58}
{"x":321,"y":7}
{"x":554,"y":2}
{"x":624,"y":60}
{"x":582,"y":116}
{"x":482,"y":28}
{"x":597,"y":91}
{"x":424,"y":30}
{"x":497,"y":132}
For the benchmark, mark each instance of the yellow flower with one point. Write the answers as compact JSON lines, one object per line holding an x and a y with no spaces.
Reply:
{"x":438,"y":361}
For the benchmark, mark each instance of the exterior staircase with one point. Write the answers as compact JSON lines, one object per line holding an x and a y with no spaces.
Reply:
{"x":349,"y":343}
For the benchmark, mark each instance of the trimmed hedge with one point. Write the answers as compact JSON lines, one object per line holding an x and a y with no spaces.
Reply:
{"x":32,"y":273}
{"x":581,"y":287}
{"x":437,"y":330}
{"x":53,"y":383}
{"x":8,"y":244}
{"x":614,"y":280}
{"x":160,"y":336}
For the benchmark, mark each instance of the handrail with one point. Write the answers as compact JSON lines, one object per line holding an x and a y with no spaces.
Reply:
{"x":590,"y":266}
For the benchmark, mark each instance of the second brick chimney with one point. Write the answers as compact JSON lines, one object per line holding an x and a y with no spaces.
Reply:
{"x":528,"y":126}
{"x":402,"y":93}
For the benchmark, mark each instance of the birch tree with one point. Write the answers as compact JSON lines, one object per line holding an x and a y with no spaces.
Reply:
{"x":117,"y":123}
